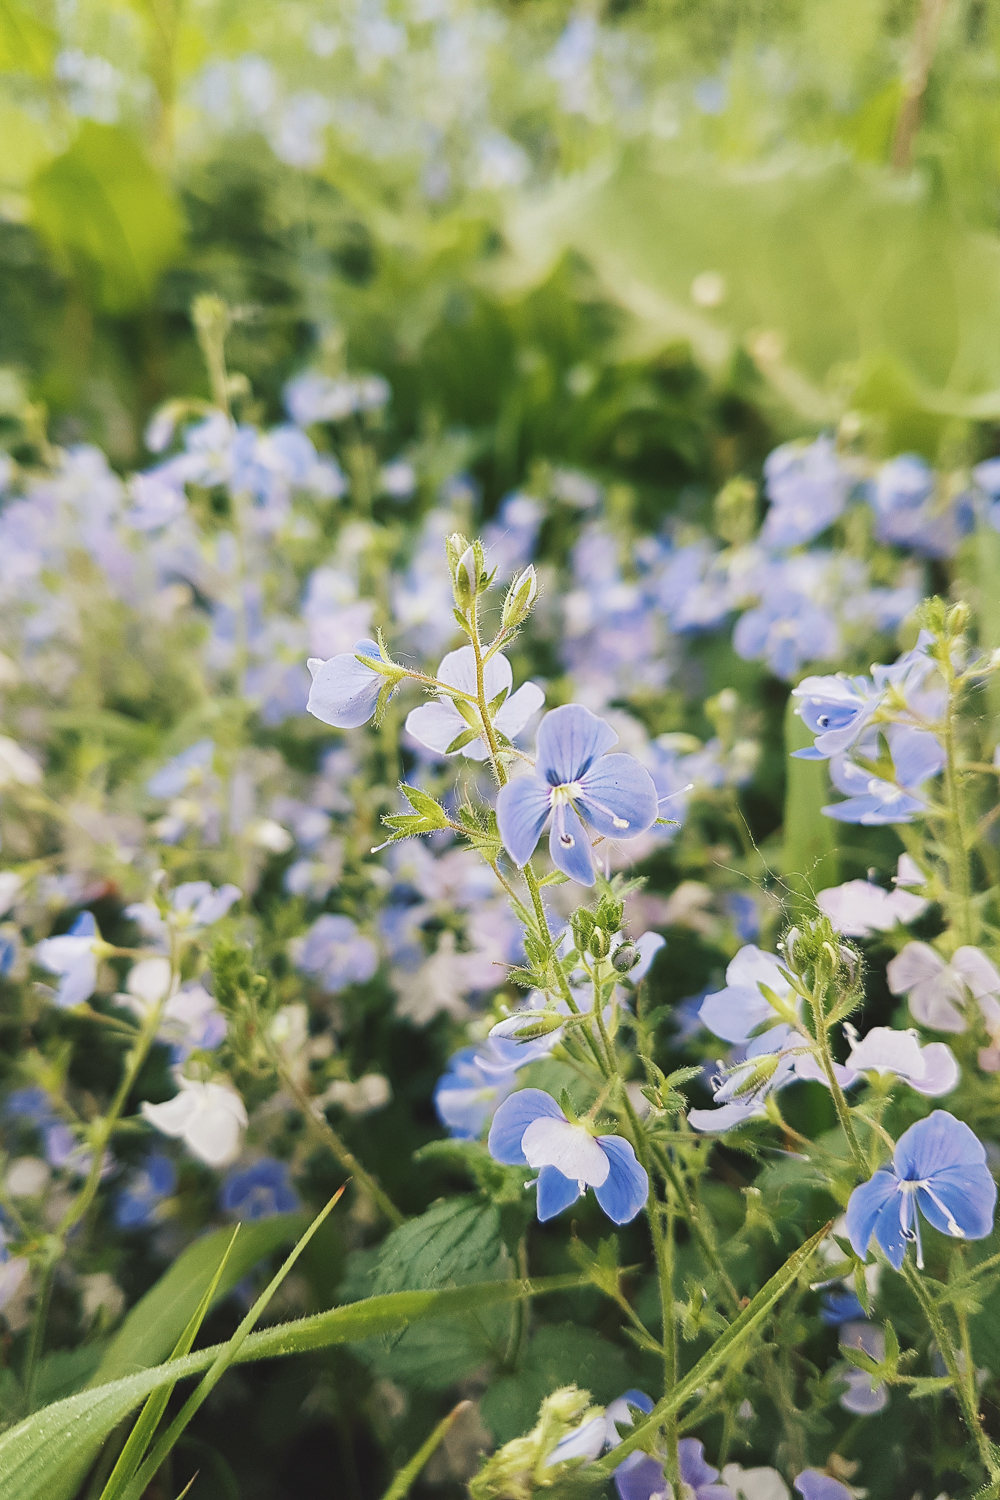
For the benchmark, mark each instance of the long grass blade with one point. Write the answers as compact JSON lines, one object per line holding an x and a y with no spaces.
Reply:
{"x":149,"y":1418}
{"x":223,"y":1360}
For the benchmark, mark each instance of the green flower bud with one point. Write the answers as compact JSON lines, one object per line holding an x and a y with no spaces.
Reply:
{"x":520,"y":597}
{"x":625,"y":958}
{"x":599,"y":944}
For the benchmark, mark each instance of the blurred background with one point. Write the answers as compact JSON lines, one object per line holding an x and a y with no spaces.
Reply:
{"x":634,"y":236}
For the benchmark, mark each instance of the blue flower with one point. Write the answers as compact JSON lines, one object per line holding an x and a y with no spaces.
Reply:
{"x":841,"y":1306}
{"x":871,"y":800}
{"x":909,"y":513}
{"x":808,"y":489}
{"x":469,"y":1091}
{"x":812,"y":1485}
{"x":136,"y":1204}
{"x":939,"y":1169}
{"x":344,"y":691}
{"x":786,"y":632}
{"x":530,"y":1130}
{"x":836,"y":710}
{"x":574,"y":776}
{"x":438,"y":724}
{"x":32,"y":1104}
{"x":336,"y":953}
{"x":640,"y":1477}
{"x":592,"y":1438}
{"x":259,"y":1191}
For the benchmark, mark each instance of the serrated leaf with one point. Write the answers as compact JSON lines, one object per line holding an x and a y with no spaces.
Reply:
{"x":928,"y":1385}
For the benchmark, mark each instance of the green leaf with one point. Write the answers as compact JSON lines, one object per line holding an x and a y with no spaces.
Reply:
{"x":725,"y":1348}
{"x":465,"y":738}
{"x":38,"y":1455}
{"x":102,"y":205}
{"x":27,"y":45}
{"x":558,"y":1355}
{"x":928,"y":1385}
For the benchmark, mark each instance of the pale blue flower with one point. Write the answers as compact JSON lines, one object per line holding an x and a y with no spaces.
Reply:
{"x":468,"y":1093}
{"x":837,"y":710}
{"x":808,"y":488}
{"x":258,"y":1191}
{"x":910,"y":514}
{"x":72,"y":957}
{"x":786,"y":631}
{"x":871,"y":800}
{"x":939,"y":1170}
{"x":813,"y":1485}
{"x":201,"y":903}
{"x":336,"y":953}
{"x":530,"y":1130}
{"x":575,"y":777}
{"x":178,"y":774}
{"x":344,"y":692}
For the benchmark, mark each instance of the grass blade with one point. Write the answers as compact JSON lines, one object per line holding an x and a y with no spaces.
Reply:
{"x":223,"y":1360}
{"x":149,"y":1418}
{"x":400,"y":1486}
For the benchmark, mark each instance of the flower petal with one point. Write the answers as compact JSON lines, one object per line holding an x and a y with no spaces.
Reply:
{"x":960,"y":1201}
{"x":626,"y":1188}
{"x":586,"y":1441}
{"x":569,"y":741}
{"x":936,"y":1144}
{"x":812,"y":1485}
{"x":976,"y":971}
{"x":727,"y":1116}
{"x":512,"y":1120}
{"x":555,"y":1193}
{"x":436,"y":725}
{"x":569,"y":846}
{"x":549,"y":1142}
{"x":617,"y":1413}
{"x":873,"y":1208}
{"x":458,"y":670}
{"x":344,"y":692}
{"x":512,"y":715}
{"x":916,"y":962}
{"x":522,"y":807}
{"x":941,"y":1071}
{"x":640,"y":1477}
{"x":694,"y":1470}
{"x":736,"y":1011}
{"x":617,"y":797}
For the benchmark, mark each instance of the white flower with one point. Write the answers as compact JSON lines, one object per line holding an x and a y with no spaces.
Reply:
{"x":208,"y":1117}
{"x":10,"y":885}
{"x":931,"y":1070}
{"x":438,"y":725}
{"x":858,"y":908}
{"x":754,"y":1484}
{"x":938,"y":991}
{"x":17,"y":765}
{"x":201,"y":903}
{"x":372,"y":1091}
{"x":72,"y":957}
{"x":148,"y":981}
{"x":27,"y":1177}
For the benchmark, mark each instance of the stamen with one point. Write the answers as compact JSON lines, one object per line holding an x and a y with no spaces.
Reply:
{"x":954,"y":1228}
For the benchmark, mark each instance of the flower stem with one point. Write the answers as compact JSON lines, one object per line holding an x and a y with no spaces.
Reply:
{"x":988,"y":1454}
{"x":839,"y":1102}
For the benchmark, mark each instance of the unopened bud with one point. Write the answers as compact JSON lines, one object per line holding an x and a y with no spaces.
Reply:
{"x":466,"y":578}
{"x":599,"y":944}
{"x":520,"y":597}
{"x":625,"y":958}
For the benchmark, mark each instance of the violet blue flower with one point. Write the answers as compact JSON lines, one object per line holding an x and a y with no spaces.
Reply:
{"x":438,"y":724}
{"x":592,"y":1438}
{"x":871,"y":800}
{"x":530,"y":1130}
{"x":938,"y":990}
{"x":908,"y":511}
{"x":640,"y":1477}
{"x":136,"y":1204}
{"x":575,"y":777}
{"x":939,"y":1170}
{"x":258,"y":1191}
{"x":836,"y":710}
{"x":344,"y":692}
{"x":858,"y":908}
{"x":178,"y":774}
{"x":841,"y":1306}
{"x":201,"y":903}
{"x":864,"y":1396}
{"x":813,"y":1485}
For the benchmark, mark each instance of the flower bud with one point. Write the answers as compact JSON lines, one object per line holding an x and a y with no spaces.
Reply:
{"x":520,"y":597}
{"x":625,"y":958}
{"x":599,"y":944}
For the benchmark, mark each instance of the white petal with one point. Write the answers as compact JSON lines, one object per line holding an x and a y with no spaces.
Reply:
{"x":884,"y":1050}
{"x":977,"y":972}
{"x":518,"y":709}
{"x":435,"y":725}
{"x":941,"y":1071}
{"x":569,"y":1148}
{"x":171,"y":1117}
{"x":918,"y":961}
{"x":149,"y":979}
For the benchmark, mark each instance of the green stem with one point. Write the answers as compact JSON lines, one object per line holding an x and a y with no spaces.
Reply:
{"x":840,"y":1103}
{"x":969,"y":1407}
{"x":37,"y":1339}
{"x":324,"y":1131}
{"x":400,"y":1486}
{"x":958,"y":861}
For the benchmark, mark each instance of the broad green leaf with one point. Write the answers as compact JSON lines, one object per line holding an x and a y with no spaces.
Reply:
{"x":102,"y":205}
{"x":810,"y":839}
{"x":37,"y":1455}
{"x":834,"y":274}
{"x":729,"y":1344}
{"x":558,"y":1355}
{"x":27,"y":45}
